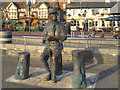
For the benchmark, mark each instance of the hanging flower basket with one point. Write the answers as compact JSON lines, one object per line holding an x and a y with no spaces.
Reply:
{"x":102,"y":14}
{"x":83,"y":15}
{"x":69,"y":15}
{"x":79,"y":15}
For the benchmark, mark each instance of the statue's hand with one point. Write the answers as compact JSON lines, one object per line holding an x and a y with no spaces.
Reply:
{"x":52,"y":38}
{"x":43,"y":41}
{"x":49,"y":38}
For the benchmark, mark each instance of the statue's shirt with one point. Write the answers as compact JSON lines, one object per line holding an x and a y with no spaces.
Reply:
{"x":52,"y":29}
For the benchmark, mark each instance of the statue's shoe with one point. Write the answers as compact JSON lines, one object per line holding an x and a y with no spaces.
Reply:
{"x":54,"y":80}
{"x":48,"y":77}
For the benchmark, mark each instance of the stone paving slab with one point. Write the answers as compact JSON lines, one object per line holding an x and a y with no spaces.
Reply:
{"x":64,"y":81}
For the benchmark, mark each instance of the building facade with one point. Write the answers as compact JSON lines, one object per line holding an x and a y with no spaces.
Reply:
{"x":19,"y":12}
{"x":91,"y":14}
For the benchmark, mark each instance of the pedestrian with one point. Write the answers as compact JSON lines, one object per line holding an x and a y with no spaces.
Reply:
{"x":115,"y":36}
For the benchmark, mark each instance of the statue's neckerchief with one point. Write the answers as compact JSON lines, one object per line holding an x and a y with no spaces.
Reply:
{"x":54,"y":26}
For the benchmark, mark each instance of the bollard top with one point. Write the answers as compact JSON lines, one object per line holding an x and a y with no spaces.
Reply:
{"x":77,"y":51}
{"x":23,"y":53}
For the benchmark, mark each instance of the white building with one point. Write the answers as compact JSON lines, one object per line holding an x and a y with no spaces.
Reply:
{"x":90,"y":14}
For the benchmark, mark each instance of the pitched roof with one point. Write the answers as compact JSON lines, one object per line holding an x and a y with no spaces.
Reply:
{"x":92,"y":0}
{"x":24,"y":4}
{"x":115,"y":9}
{"x":46,"y":3}
{"x":21,"y":4}
{"x":18,"y":4}
{"x":5,"y":4}
{"x":73,"y":5}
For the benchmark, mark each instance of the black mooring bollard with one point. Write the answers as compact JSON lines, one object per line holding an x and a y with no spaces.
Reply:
{"x":79,"y":75}
{"x":22,"y":70}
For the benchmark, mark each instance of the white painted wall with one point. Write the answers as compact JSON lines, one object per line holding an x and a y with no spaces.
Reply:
{"x":12,"y":8}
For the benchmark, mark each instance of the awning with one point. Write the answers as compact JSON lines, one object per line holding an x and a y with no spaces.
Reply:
{"x":117,"y":18}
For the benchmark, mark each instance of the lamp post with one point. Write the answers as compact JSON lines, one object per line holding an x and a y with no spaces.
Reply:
{"x":29,"y":4}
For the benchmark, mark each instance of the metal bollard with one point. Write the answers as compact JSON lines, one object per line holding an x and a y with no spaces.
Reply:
{"x":79,"y":75}
{"x":22,"y":70}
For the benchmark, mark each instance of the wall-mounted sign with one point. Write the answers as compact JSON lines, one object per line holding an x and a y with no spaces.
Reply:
{"x":73,"y":28}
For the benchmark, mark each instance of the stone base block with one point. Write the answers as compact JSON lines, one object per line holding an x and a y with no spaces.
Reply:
{"x":37,"y":75}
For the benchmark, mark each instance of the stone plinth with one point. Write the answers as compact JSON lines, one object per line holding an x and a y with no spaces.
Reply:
{"x":36,"y":78}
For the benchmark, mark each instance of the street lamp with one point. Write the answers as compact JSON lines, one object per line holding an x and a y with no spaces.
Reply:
{"x":29,"y":4}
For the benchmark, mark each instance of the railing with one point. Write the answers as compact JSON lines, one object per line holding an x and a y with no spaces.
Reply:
{"x":87,"y":41}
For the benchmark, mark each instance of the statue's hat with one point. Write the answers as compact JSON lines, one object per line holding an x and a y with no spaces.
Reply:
{"x":53,"y":10}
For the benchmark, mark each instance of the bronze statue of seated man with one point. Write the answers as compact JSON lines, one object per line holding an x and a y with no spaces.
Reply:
{"x":53,"y":36}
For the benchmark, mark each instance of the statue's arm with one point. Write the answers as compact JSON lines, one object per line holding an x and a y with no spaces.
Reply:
{"x":45,"y":33}
{"x":60,"y":37}
{"x":63,"y":35}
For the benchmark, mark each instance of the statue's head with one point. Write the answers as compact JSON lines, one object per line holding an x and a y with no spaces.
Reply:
{"x":53,"y":13}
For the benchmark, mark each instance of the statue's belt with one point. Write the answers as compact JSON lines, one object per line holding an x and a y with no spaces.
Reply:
{"x":53,"y":43}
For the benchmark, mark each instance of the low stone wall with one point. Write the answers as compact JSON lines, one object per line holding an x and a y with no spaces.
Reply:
{"x":74,"y":42}
{"x":101,"y":55}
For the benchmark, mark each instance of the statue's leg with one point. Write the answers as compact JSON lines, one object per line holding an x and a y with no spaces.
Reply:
{"x":44,"y":60}
{"x":59,"y":63}
{"x":56,"y":56}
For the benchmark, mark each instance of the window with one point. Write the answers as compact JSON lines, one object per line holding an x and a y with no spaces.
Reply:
{"x":72,"y":23}
{"x":118,"y":24}
{"x":64,"y":6}
{"x":21,"y":14}
{"x":95,"y":11}
{"x":73,"y":12}
{"x":78,"y":23}
{"x":43,"y":11}
{"x":39,"y":13}
{"x":83,"y":23}
{"x":105,"y":8}
{"x":103,"y":24}
{"x":96,"y":23}
{"x":111,"y":23}
{"x":35,"y":14}
{"x":90,"y":24}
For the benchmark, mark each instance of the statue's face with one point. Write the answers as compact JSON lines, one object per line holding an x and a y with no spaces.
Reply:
{"x":53,"y":17}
